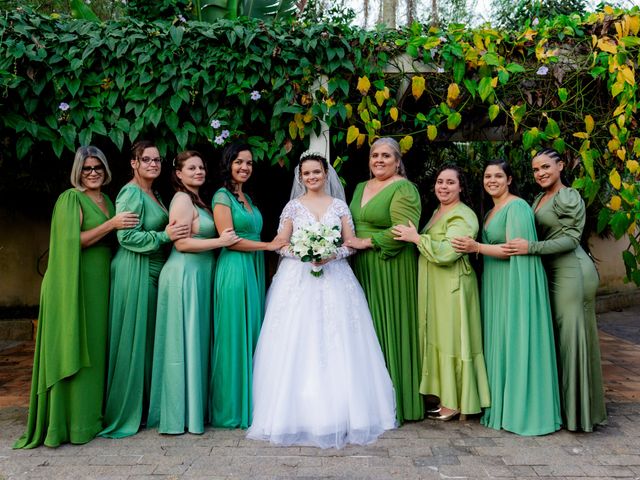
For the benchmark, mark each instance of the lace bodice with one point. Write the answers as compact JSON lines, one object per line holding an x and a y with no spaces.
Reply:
{"x":301,"y":216}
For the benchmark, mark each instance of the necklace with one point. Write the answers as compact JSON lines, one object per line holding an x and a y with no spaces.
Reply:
{"x":99,"y":199}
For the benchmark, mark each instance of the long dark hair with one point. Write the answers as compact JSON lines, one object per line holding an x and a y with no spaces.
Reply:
{"x":462,"y":180}
{"x":506,"y":168}
{"x":229,"y":154}
{"x":178,"y":186}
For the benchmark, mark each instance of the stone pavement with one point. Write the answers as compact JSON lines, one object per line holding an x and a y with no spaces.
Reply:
{"x":422,"y":450}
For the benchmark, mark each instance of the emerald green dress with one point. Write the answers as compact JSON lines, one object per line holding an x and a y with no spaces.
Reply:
{"x":238,"y":311}
{"x":453,"y":366}
{"x":389,"y":276}
{"x":132,"y":313}
{"x":180,"y":378}
{"x":573,"y":281}
{"x":518,"y":331}
{"x":67,"y":385}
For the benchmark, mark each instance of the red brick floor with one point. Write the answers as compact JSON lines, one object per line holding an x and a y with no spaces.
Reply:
{"x":620,"y":366}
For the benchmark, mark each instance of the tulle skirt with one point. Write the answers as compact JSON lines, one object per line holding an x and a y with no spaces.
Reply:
{"x":319,"y":373}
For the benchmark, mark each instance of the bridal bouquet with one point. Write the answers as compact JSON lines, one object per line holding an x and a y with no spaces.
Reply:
{"x":314,"y":243}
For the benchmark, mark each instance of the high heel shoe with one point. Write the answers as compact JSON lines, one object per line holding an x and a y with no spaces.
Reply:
{"x":447,"y":416}
{"x":433,"y":410}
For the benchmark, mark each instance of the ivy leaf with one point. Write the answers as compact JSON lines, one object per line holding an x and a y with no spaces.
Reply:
{"x":589,"y":123}
{"x":485,"y":88}
{"x":552,"y":129}
{"x":491,"y":58}
{"x":379,"y":97}
{"x":563,"y":94}
{"x":393,"y":113}
{"x":363,"y":85}
{"x":432,"y":132}
{"x":406,"y":143}
{"x":417,"y":86}
{"x":517,"y":113}
{"x":352,"y":134}
{"x":23,"y":145}
{"x":530,"y":138}
{"x":472,"y":86}
{"x":515,"y":67}
{"x":614,"y":179}
{"x":559,"y":145}
{"x":619,"y":223}
{"x":453,"y":120}
{"x":493,"y":112}
{"x":603,"y":220}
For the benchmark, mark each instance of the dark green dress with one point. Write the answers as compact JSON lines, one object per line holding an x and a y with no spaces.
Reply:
{"x":238,"y":303}
{"x":132,"y":313}
{"x":67,"y":384}
{"x":388,"y":273}
{"x":573,"y":281}
{"x":518,"y":331}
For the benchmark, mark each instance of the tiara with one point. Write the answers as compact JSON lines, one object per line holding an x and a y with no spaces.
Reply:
{"x":311,"y":154}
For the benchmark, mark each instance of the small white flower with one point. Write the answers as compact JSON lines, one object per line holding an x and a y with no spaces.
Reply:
{"x":224,"y":133}
{"x":255,"y":95}
{"x":219,"y":140}
{"x":181,"y":18}
{"x":535,"y":22}
{"x":542,"y":70}
{"x":88,"y":2}
{"x":64,"y":106}
{"x":443,"y":39}
{"x":215,"y":123}
{"x":440,"y":70}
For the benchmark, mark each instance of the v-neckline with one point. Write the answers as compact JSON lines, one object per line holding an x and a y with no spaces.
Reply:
{"x":488,"y":222}
{"x":326,"y":210}
{"x":97,"y":207}
{"x":362,"y":205}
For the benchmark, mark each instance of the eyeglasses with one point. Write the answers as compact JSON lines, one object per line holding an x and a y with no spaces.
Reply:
{"x":148,"y":160}
{"x":99,"y":169}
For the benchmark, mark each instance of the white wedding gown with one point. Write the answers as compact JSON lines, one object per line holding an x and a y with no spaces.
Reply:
{"x":319,"y":376}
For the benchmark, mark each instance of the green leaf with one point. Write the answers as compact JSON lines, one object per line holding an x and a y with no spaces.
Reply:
{"x":485,"y":89}
{"x":552,"y":129}
{"x":493,"y":112}
{"x":459,"y":69}
{"x":176,"y":34}
{"x":562,"y":94}
{"x":619,"y":224}
{"x":175,"y":103}
{"x":630,"y":41}
{"x":559,"y":145}
{"x":117,"y":137}
{"x":515,"y":67}
{"x":491,"y":58}
{"x":68,"y":133}
{"x":453,"y":120}
{"x":23,"y":145}
{"x":603,"y":217}
{"x":471,"y":86}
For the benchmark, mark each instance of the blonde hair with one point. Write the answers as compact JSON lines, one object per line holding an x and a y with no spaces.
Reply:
{"x":78,"y":162}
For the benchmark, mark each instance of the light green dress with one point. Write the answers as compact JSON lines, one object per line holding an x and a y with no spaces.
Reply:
{"x":573,"y":281}
{"x":389,"y":277}
{"x":238,"y":311}
{"x":453,"y":366}
{"x":180,"y":378}
{"x":132,"y":313}
{"x":518,"y":331}
{"x":67,"y":385}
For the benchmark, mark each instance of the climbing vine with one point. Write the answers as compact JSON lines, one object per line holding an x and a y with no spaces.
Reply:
{"x":567,"y":82}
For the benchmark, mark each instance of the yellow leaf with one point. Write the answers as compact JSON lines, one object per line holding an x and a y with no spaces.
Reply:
{"x":349,"y":110}
{"x":606,"y":45}
{"x":494,"y":82}
{"x":614,"y":179}
{"x":361,"y":139}
{"x":621,"y":121}
{"x":453,"y":92}
{"x":363,"y":85}
{"x":621,"y":108}
{"x":613,"y":145}
{"x":432,"y":132}
{"x":622,"y":153}
{"x":608,"y":10}
{"x":581,"y":135}
{"x":329,"y":102}
{"x":379,"y":97}
{"x":393,"y":113}
{"x":589,"y":123}
{"x":594,"y":41}
{"x":405,"y":144}
{"x":632,"y":166}
{"x":308,"y":116}
{"x":617,"y":88}
{"x":298,"y":119}
{"x":615,"y":203}
{"x":352,"y":134}
{"x":293,"y":130}
{"x":632,"y":228}
{"x":386,"y":92}
{"x":375,"y":123}
{"x":619,"y":32}
{"x":634,"y":24}
{"x":628,"y":75}
{"x":417,"y":86}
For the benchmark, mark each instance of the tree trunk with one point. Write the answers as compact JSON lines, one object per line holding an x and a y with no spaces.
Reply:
{"x":435,"y":20}
{"x":388,"y":13}
{"x":411,"y":11}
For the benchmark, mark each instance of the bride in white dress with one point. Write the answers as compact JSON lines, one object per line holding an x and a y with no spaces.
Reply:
{"x":319,"y":375}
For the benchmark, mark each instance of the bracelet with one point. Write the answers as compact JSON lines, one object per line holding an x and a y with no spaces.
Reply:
{"x":478,"y":250}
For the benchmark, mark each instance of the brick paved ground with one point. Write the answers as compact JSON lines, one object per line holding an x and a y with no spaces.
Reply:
{"x":423,"y":450}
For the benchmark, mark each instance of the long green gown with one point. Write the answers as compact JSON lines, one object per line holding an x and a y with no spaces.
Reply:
{"x":67,"y":385}
{"x":238,"y":311}
{"x":573,"y":281}
{"x":518,"y":331}
{"x":132,"y":313}
{"x":180,"y":377}
{"x":389,"y":277}
{"x":453,"y":366}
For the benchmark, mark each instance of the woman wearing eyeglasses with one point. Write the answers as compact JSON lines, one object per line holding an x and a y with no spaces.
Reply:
{"x":134,"y":290}
{"x":67,"y":385}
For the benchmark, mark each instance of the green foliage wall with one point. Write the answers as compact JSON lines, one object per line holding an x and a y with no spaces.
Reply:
{"x":569,"y":82}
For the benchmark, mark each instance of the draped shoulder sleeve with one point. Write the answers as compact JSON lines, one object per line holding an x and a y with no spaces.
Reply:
{"x":405,"y":205}
{"x":137,"y":239}
{"x":461,"y":222}
{"x":520,"y":222}
{"x":222,"y":197}
{"x":61,"y":322}
{"x":569,"y":210}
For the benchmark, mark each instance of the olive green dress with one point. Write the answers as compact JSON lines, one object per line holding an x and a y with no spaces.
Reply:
{"x":573,"y":281}
{"x":238,"y":312}
{"x":132,"y":313}
{"x":67,"y":384}
{"x":180,"y":377}
{"x":389,"y":277}
{"x":518,"y":331}
{"x":453,"y":366}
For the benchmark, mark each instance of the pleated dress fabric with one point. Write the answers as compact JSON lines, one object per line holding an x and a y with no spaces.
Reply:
{"x":66,"y":399}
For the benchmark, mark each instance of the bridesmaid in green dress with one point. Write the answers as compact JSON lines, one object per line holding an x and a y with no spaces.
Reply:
{"x":134,"y":287}
{"x":387,"y":269}
{"x":518,"y":330}
{"x":573,"y":281}
{"x":453,"y":367}
{"x":238,"y":293}
{"x":67,"y":384}
{"x":180,"y":374}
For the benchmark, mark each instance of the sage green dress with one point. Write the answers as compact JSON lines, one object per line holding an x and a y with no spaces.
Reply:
{"x":238,"y":312}
{"x":132,"y":313}
{"x":389,"y":277}
{"x":518,"y":331}
{"x":453,"y":366}
{"x":180,"y":377}
{"x":573,"y":281}
{"x":67,"y":385}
